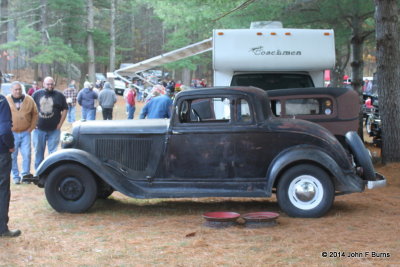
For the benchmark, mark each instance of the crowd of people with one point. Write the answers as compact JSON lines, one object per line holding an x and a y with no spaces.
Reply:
{"x":35,"y":119}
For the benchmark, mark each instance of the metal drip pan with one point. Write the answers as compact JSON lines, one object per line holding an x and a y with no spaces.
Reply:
{"x":260,"y":219}
{"x":220,"y":219}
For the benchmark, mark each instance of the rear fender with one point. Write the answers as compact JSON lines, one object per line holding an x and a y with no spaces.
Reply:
{"x":297,"y":155}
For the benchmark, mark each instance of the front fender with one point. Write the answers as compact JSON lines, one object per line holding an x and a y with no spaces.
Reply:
{"x":81,"y":157}
{"x":344,"y":180}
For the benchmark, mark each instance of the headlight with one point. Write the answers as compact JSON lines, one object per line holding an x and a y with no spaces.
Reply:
{"x":67,"y":140}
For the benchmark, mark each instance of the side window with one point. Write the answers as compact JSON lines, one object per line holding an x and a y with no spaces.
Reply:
{"x":276,"y":107}
{"x":309,"y":106}
{"x":213,"y":109}
{"x":243,"y":111}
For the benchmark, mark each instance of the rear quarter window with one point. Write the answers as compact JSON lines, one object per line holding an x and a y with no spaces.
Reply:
{"x":302,"y":106}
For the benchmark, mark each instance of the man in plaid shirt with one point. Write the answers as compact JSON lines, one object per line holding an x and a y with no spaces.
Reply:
{"x":70,"y":95}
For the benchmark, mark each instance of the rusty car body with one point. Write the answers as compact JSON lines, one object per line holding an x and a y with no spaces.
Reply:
{"x":336,"y":109}
{"x":219,"y":142}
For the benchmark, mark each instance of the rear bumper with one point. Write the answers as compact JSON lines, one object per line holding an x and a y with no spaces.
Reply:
{"x":379,"y":182}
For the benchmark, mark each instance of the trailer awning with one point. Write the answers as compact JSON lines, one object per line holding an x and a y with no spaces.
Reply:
{"x":175,"y":55}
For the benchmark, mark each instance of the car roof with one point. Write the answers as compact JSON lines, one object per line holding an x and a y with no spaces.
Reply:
{"x":247,"y":90}
{"x":333,"y":91}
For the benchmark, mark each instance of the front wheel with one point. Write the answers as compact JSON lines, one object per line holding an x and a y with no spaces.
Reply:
{"x":305,"y":191}
{"x":71,"y":188}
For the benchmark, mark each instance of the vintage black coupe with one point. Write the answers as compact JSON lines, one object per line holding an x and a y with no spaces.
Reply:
{"x":220,"y":142}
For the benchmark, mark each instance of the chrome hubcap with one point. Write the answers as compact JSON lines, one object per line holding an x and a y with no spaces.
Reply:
{"x":305,"y":192}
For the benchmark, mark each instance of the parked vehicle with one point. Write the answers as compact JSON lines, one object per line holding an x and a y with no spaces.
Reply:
{"x":6,"y":88}
{"x":336,"y":109}
{"x":219,"y":142}
{"x":120,"y":86}
{"x":100,"y":77}
{"x":7,"y":77}
{"x":373,"y":123}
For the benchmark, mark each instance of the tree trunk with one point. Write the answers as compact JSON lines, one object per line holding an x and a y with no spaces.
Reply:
{"x":336,"y":77}
{"x":45,"y":40}
{"x":90,"y":43}
{"x":112,"y":35}
{"x":35,"y":67}
{"x":357,"y":62}
{"x":3,"y":35}
{"x":186,"y":76}
{"x":388,"y":79}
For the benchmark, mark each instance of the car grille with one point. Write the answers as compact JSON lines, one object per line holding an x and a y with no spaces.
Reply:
{"x":132,"y":153}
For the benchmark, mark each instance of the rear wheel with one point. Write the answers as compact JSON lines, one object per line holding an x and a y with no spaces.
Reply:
{"x":305,"y":191}
{"x":71,"y":188}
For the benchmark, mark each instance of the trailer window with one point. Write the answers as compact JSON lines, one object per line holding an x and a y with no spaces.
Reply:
{"x":270,"y":81}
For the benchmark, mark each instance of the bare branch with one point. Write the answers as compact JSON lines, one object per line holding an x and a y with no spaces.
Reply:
{"x":12,"y":18}
{"x":241,"y":6}
{"x":55,"y":24}
{"x":366,"y":34}
{"x":18,"y":14}
{"x":367,"y":15}
{"x":33,"y":23}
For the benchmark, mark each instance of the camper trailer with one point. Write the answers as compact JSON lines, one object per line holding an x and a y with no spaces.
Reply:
{"x":269,"y":57}
{"x":272,"y":58}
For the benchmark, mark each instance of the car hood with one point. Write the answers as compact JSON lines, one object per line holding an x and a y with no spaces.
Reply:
{"x":148,"y":126}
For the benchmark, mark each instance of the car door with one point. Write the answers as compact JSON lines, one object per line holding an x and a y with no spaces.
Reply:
{"x":200,"y":144}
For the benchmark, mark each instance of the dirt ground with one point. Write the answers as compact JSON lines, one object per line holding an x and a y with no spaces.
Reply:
{"x":361,"y":229}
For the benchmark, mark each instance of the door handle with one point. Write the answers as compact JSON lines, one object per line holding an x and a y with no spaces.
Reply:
{"x":176,"y":132}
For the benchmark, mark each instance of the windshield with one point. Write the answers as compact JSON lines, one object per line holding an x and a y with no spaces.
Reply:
{"x":270,"y":81}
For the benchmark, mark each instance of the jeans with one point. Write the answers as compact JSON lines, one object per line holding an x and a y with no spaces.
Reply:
{"x":5,"y":169}
{"x":88,"y":114}
{"x":139,"y":96}
{"x":71,"y":114}
{"x":107,"y":113}
{"x":22,"y":142}
{"x":40,"y":138}
{"x":131,"y":112}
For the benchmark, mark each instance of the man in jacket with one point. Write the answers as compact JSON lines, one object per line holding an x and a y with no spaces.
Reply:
{"x":6,"y":148}
{"x":159,"y":107}
{"x":24,"y":117}
{"x":86,"y":98}
{"x":107,"y":99}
